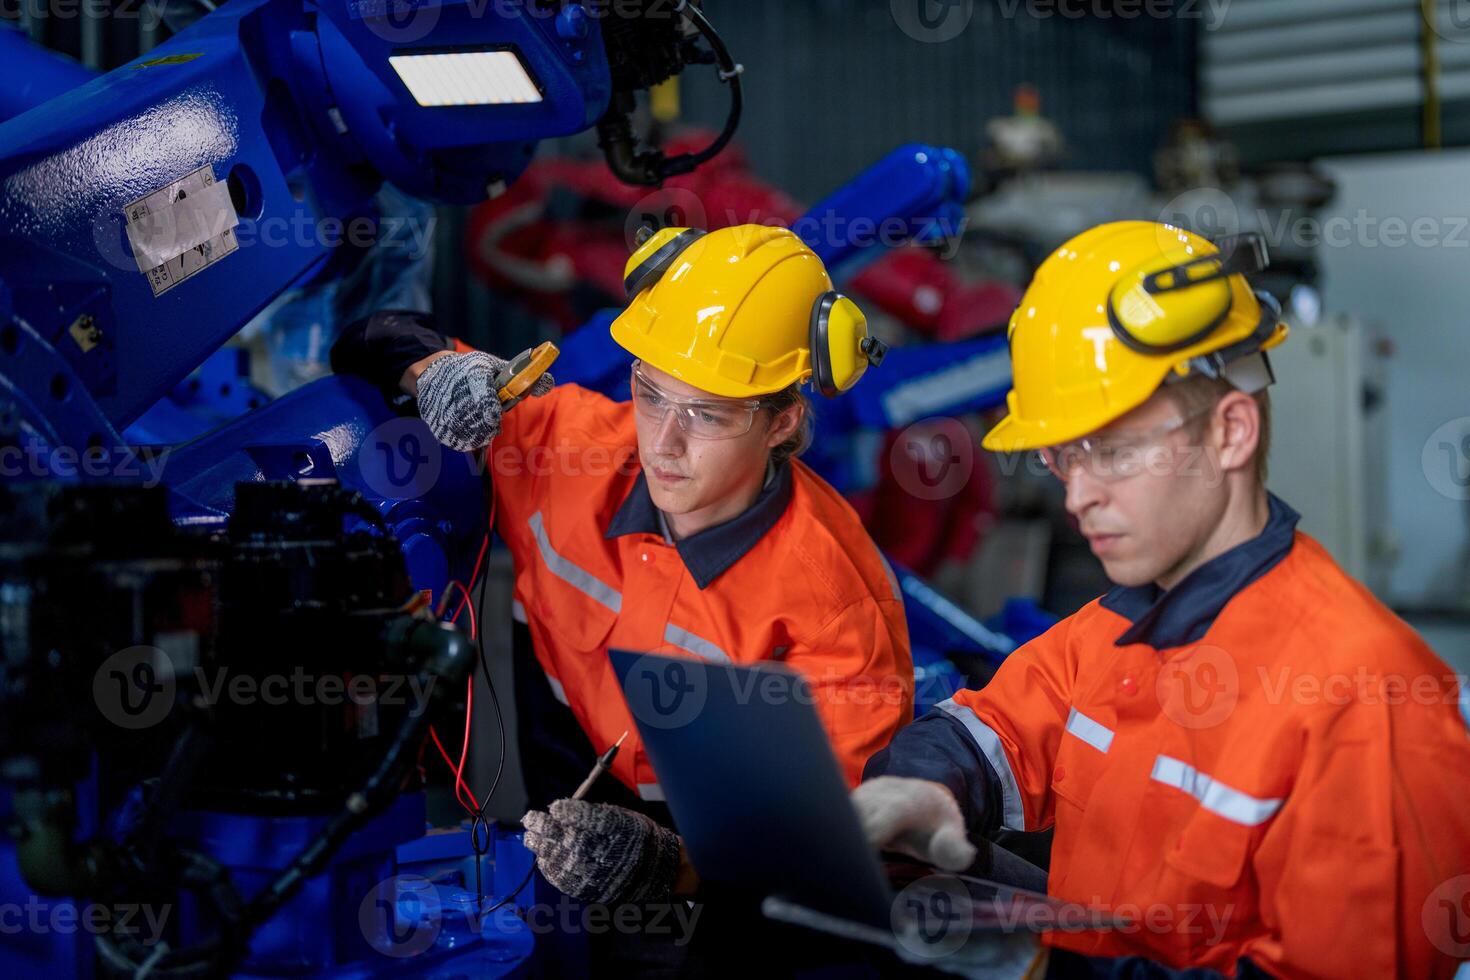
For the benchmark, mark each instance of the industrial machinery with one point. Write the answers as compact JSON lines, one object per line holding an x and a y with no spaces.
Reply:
{"x":219,"y":659}
{"x":165,"y":710}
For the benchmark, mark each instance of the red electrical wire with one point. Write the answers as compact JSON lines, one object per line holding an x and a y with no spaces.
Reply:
{"x":478,"y":567}
{"x":460,"y":788}
{"x":459,"y":784}
{"x":469,"y":713}
{"x":462,"y":606}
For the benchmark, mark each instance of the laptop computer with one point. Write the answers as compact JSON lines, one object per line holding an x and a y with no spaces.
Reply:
{"x":752,"y":782}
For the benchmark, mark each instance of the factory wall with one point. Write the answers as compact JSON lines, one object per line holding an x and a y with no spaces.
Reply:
{"x":837,"y":83}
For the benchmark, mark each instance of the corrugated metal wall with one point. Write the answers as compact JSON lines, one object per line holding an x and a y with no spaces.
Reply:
{"x":1293,"y":79}
{"x":833,"y":84}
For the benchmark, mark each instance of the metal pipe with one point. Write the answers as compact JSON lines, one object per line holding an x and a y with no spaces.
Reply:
{"x":91,"y":35}
{"x":1428,"y":47}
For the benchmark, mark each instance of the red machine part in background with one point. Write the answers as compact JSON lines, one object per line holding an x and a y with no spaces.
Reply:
{"x":568,"y":225}
{"x":934,"y":499}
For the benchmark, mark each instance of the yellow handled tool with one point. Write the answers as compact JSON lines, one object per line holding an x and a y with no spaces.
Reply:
{"x":515,"y":379}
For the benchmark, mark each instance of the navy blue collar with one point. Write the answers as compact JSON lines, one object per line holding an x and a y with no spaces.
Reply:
{"x":711,"y":551}
{"x":1185,"y":613}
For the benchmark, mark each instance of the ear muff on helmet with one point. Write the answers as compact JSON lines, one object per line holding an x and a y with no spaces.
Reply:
{"x":1175,"y":301}
{"x":841,"y":348}
{"x":653,"y":257}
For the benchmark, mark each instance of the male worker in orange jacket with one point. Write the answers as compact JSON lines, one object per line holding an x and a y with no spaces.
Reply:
{"x":679,"y":523}
{"x":1240,"y":749}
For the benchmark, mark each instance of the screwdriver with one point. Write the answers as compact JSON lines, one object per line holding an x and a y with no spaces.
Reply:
{"x":604,"y":762}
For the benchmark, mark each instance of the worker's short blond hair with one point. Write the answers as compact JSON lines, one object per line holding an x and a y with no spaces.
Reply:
{"x":1199,"y":394}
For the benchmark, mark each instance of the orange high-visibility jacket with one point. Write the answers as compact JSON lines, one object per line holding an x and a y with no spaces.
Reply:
{"x":1261,"y":763}
{"x":795,"y":578}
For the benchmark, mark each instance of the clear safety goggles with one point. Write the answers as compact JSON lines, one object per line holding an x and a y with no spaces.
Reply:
{"x":1117,"y":456}
{"x":701,"y":418}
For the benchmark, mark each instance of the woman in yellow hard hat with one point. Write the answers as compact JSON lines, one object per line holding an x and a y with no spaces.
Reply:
{"x":680,"y":523}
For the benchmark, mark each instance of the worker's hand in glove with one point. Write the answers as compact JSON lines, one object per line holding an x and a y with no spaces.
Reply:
{"x":915,"y":817}
{"x":459,"y":400}
{"x":402,"y":353}
{"x":604,"y":854}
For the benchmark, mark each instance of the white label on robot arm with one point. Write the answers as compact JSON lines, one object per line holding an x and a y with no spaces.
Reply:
{"x":182,"y":228}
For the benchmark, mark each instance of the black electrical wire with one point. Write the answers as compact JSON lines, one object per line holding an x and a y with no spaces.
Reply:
{"x":729,"y":72}
{"x":479,"y":829}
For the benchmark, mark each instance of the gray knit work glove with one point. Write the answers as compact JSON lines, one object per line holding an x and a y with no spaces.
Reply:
{"x":603,"y":854}
{"x":458,"y":402}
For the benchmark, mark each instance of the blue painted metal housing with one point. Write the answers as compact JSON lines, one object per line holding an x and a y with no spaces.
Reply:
{"x":33,"y":75}
{"x":294,"y":108}
{"x":916,"y":193}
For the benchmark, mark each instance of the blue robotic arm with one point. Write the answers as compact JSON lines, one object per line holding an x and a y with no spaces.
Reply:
{"x":147,"y":214}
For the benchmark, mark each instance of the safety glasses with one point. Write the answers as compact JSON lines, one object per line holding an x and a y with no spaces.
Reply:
{"x":723,"y":418}
{"x":1117,"y":456}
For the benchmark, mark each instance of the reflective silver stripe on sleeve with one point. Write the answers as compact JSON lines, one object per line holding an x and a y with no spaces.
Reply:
{"x":1013,"y":814}
{"x":518,"y":611}
{"x":650,"y":791}
{"x":697,"y":645}
{"x":1097,"y":735}
{"x":571,"y":573}
{"x":557,"y":690}
{"x":1232,"y":804}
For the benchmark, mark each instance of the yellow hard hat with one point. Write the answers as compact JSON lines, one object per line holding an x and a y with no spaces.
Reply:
{"x":1118,"y":311}
{"x":742,"y":312}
